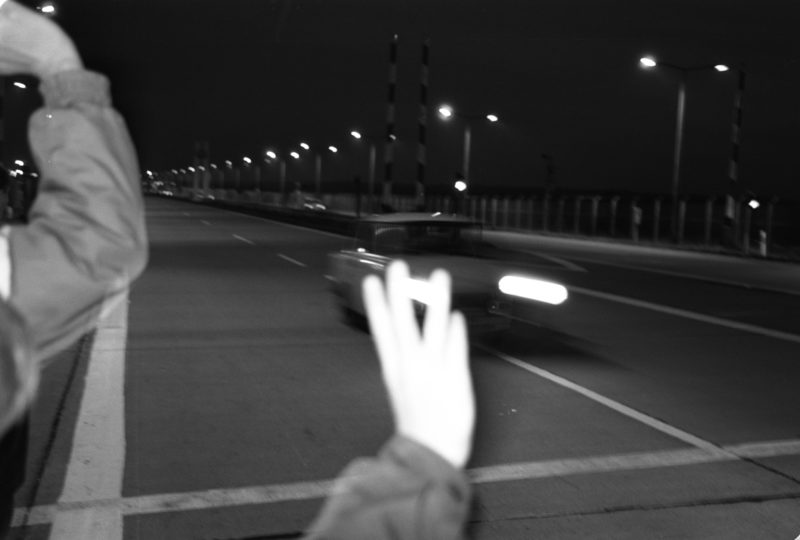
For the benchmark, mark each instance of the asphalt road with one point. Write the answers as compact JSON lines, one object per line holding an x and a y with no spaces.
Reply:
{"x":661,"y":402}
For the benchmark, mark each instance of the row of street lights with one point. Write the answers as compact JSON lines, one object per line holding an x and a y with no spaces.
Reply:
{"x":446,"y":112}
{"x":271,"y":155}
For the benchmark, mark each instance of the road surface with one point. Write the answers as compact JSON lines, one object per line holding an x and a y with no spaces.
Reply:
{"x":220,"y":402}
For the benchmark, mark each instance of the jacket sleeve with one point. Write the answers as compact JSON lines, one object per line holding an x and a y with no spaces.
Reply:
{"x":407,"y":492}
{"x":85,"y":239}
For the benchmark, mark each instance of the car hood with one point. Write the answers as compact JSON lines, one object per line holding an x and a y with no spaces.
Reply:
{"x":468,"y":274}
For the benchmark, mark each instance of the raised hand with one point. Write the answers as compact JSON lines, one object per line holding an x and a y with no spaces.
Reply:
{"x":32,"y":44}
{"x":426,"y":373}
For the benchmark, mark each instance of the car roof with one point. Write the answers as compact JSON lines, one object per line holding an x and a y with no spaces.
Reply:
{"x":419,"y":217}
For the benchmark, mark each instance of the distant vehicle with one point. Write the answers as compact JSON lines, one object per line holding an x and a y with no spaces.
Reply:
{"x":489,"y":290}
{"x":312,"y":203}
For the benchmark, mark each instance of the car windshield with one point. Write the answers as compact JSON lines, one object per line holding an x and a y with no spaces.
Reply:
{"x":427,"y":238}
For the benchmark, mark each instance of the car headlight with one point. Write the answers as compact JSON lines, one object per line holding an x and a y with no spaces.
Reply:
{"x":533,"y":289}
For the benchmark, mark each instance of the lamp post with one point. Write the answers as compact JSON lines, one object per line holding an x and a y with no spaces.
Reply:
{"x":372,"y":164}
{"x":648,"y":63}
{"x":447,"y":112}
{"x":318,"y":165}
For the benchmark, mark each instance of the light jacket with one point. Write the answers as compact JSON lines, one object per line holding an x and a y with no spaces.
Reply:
{"x":85,"y":239}
{"x":408,"y":492}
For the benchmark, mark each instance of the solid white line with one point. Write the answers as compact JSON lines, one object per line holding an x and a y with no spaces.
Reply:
{"x":204,"y":222}
{"x":598,"y":464}
{"x":558,"y":260}
{"x":649,"y":421}
{"x":293,"y":261}
{"x":275,"y":493}
{"x":776,"y":334}
{"x":243,"y":239}
{"x":97,"y":461}
{"x":687,"y":275}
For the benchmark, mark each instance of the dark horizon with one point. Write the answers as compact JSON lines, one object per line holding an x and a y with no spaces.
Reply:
{"x":562,"y":76}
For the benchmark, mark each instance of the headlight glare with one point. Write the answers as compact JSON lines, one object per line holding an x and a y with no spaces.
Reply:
{"x":533,"y":289}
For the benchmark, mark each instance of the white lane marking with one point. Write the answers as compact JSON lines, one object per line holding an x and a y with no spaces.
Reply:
{"x":204,"y":222}
{"x":185,"y":213}
{"x":274,"y":493}
{"x":243,"y":239}
{"x":293,"y":261}
{"x":97,"y":461}
{"x":686,"y":275}
{"x":288,"y":225}
{"x":776,"y":334}
{"x":558,"y":260}
{"x":766,"y":449}
{"x":649,"y":421}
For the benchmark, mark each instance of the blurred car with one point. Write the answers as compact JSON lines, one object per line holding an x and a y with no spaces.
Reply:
{"x":490,"y":291}
{"x":312,"y":203}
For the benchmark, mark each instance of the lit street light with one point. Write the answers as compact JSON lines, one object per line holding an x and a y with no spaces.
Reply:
{"x":460,"y":186}
{"x":20,"y":85}
{"x":447,"y":112}
{"x":372,"y":164}
{"x":48,"y":8}
{"x":648,"y":63}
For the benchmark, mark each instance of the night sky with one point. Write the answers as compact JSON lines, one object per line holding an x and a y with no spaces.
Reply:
{"x":562,"y":75}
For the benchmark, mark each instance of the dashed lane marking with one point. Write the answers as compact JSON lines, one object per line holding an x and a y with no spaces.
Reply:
{"x":734,"y":325}
{"x":293,"y":261}
{"x":287,"y":225}
{"x":276,"y":493}
{"x":204,"y":222}
{"x":243,"y":239}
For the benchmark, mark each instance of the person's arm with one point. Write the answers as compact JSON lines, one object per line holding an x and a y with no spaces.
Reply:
{"x":85,"y":239}
{"x":415,"y":488}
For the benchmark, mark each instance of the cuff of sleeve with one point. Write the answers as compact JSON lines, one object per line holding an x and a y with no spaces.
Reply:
{"x":68,"y":88}
{"x":414,"y":456}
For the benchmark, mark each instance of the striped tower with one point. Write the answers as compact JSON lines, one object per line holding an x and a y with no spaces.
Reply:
{"x":388,"y":156}
{"x":2,"y":120}
{"x":422,"y":149}
{"x":733,"y":170}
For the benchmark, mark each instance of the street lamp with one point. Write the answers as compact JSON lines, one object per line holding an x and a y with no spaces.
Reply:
{"x":649,"y":62}
{"x":20,"y":85}
{"x":47,"y":8}
{"x":447,"y":112}
{"x":372,"y":164}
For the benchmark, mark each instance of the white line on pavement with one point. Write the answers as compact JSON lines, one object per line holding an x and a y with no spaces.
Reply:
{"x":275,"y":493}
{"x":558,"y":260}
{"x":204,"y":222}
{"x":776,"y":334}
{"x":688,"y":275}
{"x":293,"y":261}
{"x":97,"y":461}
{"x":649,"y":421}
{"x":243,"y":239}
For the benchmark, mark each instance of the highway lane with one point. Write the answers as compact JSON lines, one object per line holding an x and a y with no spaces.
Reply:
{"x":245,"y":394}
